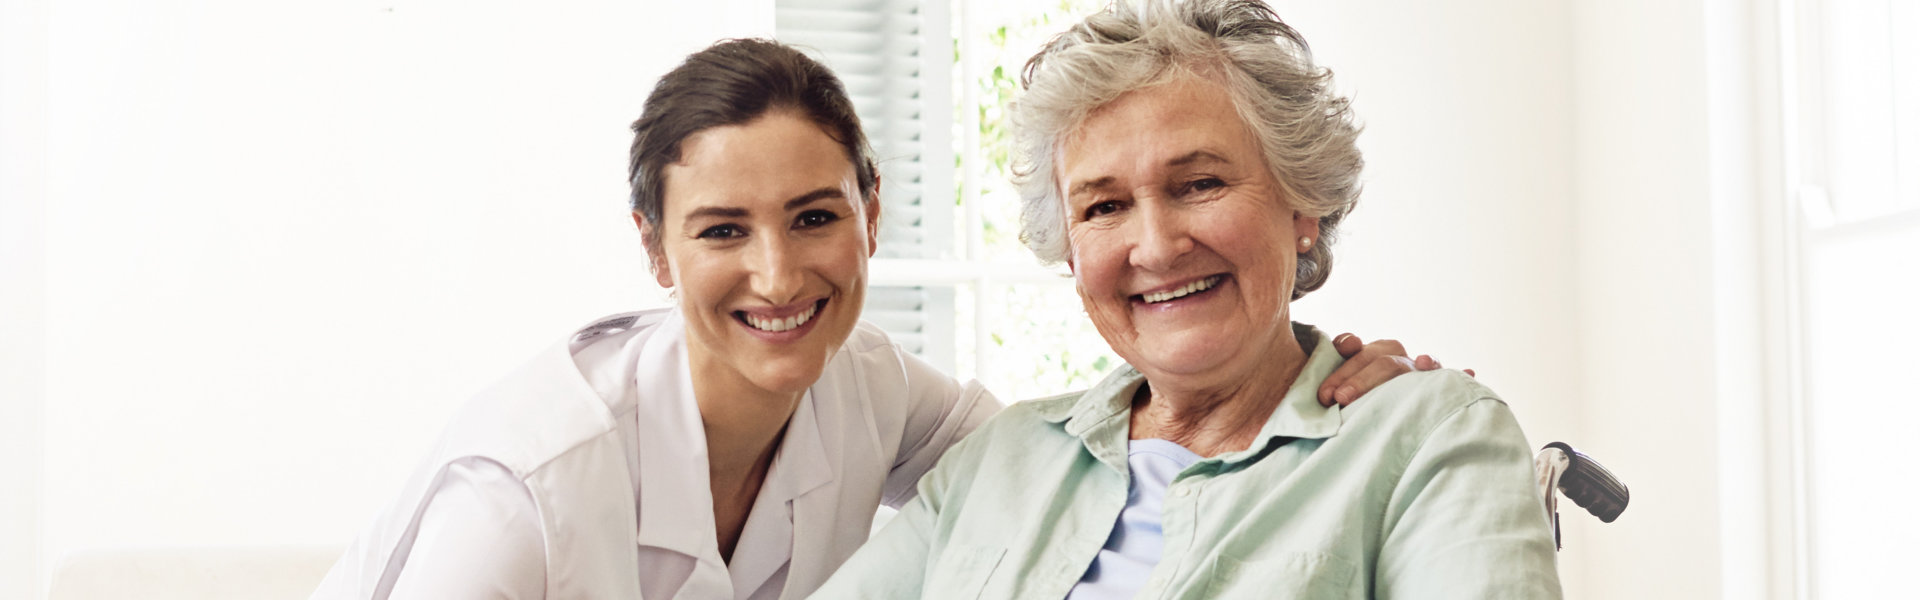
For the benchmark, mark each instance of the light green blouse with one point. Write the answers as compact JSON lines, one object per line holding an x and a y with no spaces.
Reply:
{"x":1422,"y":489}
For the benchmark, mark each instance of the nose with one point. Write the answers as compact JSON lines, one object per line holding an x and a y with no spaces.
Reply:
{"x":1160,"y":235}
{"x":774,"y":270}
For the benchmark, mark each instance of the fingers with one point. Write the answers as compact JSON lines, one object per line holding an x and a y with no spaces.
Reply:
{"x":1368,"y":366}
{"x":1347,"y":345}
{"x":1359,"y":357}
{"x":1428,"y":363}
{"x":1375,"y":373}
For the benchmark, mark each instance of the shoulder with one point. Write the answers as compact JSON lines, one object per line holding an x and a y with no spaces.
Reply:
{"x":637,"y":321}
{"x":545,"y":407}
{"x":1433,"y":413}
{"x":1022,"y":424}
{"x":1421,"y":400}
{"x":1067,"y":415}
{"x":871,"y":360}
{"x":1048,"y":409}
{"x":870,"y":344}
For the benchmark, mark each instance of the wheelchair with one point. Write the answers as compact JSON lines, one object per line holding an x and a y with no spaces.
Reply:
{"x":1561,"y":470}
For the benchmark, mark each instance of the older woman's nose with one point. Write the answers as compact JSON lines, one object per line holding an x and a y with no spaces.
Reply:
{"x":1161,"y":236}
{"x":774,"y":272}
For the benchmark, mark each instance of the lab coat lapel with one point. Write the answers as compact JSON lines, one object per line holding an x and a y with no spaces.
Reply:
{"x":676,"y":501}
{"x":785,"y":505}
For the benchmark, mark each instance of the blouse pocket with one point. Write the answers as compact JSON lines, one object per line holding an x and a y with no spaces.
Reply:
{"x":1290,"y":575}
{"x":962,"y":572}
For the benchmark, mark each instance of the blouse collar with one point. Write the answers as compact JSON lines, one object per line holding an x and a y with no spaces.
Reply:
{"x":1100,"y":415}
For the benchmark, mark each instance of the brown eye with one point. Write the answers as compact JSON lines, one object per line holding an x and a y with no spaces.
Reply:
{"x":1206,"y":185}
{"x":1102,"y":208}
{"x":814,"y":218}
{"x":722,"y":232}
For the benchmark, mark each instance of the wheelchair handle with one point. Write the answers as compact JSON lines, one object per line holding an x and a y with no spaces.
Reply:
{"x":1590,"y":485}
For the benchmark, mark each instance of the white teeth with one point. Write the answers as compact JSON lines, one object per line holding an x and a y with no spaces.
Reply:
{"x":779,"y":325}
{"x":1197,"y":286}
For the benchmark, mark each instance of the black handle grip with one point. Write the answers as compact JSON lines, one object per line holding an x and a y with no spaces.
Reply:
{"x":1590,"y":485}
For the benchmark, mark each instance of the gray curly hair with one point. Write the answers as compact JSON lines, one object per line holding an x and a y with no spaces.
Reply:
{"x":1306,"y":131}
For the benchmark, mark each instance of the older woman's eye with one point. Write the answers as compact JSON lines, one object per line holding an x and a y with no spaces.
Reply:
{"x":814,"y":218}
{"x":722,"y":232}
{"x":1101,"y":209}
{"x":1204,"y":185}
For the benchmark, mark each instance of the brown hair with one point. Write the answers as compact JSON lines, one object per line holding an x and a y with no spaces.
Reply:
{"x":730,"y":83}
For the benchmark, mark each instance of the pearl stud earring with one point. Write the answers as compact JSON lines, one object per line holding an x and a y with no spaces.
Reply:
{"x":1305,"y":243}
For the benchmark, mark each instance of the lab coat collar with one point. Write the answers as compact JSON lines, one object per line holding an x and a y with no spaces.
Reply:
{"x":676,"y":500}
{"x":799,"y":466}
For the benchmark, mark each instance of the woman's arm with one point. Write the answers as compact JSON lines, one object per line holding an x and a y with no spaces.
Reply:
{"x":940,"y":411}
{"x":477,"y":535}
{"x":893,"y":563}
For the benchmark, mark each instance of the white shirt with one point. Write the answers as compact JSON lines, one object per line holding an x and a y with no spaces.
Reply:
{"x":876,"y":420}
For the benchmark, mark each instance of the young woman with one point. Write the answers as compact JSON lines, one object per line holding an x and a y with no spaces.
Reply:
{"x":734,"y":445}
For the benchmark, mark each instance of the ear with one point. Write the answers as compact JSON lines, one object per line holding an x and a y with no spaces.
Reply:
{"x":873,"y":219}
{"x":1306,"y":226}
{"x":656,"y":253}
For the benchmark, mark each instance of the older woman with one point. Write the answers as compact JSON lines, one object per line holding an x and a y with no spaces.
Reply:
{"x":1191,"y":165}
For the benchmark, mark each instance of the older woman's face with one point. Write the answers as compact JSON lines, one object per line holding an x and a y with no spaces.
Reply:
{"x":1182,"y":243}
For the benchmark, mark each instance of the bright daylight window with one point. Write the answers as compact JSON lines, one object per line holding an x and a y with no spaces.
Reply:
{"x":952,"y":281}
{"x":1858,"y":158}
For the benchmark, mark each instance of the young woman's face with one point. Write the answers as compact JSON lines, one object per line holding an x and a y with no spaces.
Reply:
{"x":766,"y":238}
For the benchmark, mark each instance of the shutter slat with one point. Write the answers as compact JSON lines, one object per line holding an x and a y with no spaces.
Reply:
{"x":887,"y":6}
{"x":875,"y":47}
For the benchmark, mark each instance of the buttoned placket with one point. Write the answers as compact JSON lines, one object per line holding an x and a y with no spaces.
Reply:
{"x":1103,"y":433}
{"x":1179,"y":516}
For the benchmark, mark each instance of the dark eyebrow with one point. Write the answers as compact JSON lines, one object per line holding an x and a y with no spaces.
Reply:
{"x":717,"y":212}
{"x":825,"y":193}
{"x":729,"y":212}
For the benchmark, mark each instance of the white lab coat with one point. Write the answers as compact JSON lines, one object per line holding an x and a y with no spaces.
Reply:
{"x":595,"y":455}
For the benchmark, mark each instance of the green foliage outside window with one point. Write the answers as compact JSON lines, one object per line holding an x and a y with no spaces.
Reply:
{"x":1042,"y":342}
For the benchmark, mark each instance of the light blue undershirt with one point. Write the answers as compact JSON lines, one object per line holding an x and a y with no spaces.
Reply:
{"x":1133,"y":548}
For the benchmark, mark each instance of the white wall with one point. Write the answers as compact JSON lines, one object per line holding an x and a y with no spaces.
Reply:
{"x":284,"y":240}
{"x":1461,"y":244}
{"x":1669,"y":198}
{"x":23,"y":106}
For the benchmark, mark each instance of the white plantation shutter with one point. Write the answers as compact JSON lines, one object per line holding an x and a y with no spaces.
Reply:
{"x":896,"y":59}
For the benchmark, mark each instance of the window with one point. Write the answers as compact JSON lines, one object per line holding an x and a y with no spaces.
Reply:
{"x":889,"y":55}
{"x":952,"y":281}
{"x":1858,"y":158}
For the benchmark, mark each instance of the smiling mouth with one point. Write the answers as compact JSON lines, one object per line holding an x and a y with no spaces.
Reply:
{"x":777,"y":325}
{"x":1196,"y":287}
